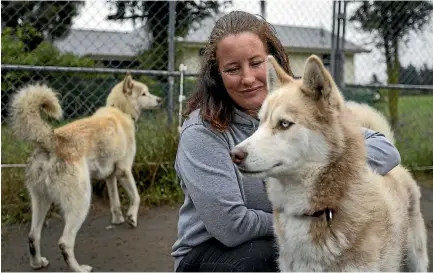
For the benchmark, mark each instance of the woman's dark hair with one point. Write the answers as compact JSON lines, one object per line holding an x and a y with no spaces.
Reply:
{"x":211,"y":96}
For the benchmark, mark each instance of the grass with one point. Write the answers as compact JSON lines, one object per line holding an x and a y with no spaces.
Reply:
{"x":156,"y":149}
{"x":414,"y":131}
{"x":153,"y":168}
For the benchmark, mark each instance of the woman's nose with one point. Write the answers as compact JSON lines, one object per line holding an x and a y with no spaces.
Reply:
{"x":248,"y":78}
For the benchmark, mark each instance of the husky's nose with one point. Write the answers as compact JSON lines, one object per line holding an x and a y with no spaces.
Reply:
{"x":158,"y":100}
{"x":238,"y":155}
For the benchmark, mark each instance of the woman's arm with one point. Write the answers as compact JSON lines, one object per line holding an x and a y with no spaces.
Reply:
{"x":203,"y":163}
{"x":382,"y":155}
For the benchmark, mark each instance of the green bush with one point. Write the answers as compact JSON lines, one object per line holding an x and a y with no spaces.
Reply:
{"x":14,"y":51}
{"x":88,"y":86}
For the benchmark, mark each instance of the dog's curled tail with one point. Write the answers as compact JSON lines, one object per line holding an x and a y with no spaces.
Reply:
{"x":25,"y":114}
{"x":371,"y":118}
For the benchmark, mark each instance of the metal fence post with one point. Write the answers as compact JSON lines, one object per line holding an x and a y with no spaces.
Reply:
{"x":171,"y":56}
{"x":337,"y":55}
{"x":182,"y":69}
{"x":342,"y":50}
{"x":333,"y":40}
{"x":263,"y":8}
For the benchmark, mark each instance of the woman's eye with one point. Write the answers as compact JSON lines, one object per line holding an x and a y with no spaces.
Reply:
{"x":231,"y":70}
{"x":285,"y":124}
{"x":257,"y":63}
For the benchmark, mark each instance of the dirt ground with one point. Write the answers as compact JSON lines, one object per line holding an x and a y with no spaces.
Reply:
{"x":119,"y":248}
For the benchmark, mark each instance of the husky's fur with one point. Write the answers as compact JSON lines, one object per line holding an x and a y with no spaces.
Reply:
{"x":311,"y":149}
{"x":60,"y":169}
{"x":369,"y":117}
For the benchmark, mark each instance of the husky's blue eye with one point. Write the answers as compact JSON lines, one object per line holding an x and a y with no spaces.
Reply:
{"x":285,"y":124}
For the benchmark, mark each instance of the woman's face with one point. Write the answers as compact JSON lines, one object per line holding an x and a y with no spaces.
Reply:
{"x":242,"y":65}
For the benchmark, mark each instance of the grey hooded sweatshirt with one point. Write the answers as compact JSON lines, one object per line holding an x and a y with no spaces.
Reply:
{"x":217,"y":202}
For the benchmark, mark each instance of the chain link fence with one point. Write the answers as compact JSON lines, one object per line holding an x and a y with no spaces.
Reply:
{"x":82,"y":49}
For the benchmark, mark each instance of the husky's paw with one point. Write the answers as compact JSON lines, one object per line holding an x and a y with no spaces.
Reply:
{"x":131,"y":221}
{"x":85,"y":268}
{"x":43,"y":262}
{"x":117,"y":219}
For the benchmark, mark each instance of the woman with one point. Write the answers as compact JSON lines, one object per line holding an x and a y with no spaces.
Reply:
{"x":225,"y":223}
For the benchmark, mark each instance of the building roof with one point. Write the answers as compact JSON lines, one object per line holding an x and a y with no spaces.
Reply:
{"x":84,"y":42}
{"x":294,"y":38}
{"x":126,"y":45}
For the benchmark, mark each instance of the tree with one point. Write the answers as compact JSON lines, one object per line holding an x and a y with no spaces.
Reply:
{"x":390,"y":22}
{"x":155,"y":15}
{"x":426,"y":75}
{"x":420,"y":76}
{"x":409,"y":75}
{"x":50,"y":19}
{"x":46,"y":54}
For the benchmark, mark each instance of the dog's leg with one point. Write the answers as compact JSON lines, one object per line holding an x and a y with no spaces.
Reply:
{"x":127,"y":180}
{"x":417,"y":242}
{"x":75,"y":211}
{"x":113,"y":194}
{"x":40,"y":206}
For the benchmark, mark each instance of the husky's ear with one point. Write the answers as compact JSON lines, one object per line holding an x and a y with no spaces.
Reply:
{"x":275,"y":74}
{"x":128,"y":84}
{"x":318,"y":83}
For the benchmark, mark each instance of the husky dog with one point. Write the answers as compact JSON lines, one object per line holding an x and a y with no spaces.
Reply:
{"x":331,"y":211}
{"x":65,"y":160}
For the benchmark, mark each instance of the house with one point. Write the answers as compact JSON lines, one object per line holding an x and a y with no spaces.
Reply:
{"x":299,"y":42}
{"x":120,"y":49}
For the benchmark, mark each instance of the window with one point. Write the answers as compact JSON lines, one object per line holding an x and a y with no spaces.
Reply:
{"x":326,"y":59}
{"x":201,"y":51}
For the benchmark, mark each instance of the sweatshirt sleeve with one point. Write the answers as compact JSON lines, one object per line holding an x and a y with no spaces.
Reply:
{"x":203,"y":163}
{"x":382,"y":155}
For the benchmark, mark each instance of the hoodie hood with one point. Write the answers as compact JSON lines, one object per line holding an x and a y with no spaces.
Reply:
{"x":242,"y":118}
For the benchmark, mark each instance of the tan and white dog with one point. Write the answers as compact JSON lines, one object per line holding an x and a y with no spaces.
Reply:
{"x":331,"y":211}
{"x":65,"y":160}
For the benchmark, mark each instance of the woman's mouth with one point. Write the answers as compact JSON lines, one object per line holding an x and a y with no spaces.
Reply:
{"x":249,"y":90}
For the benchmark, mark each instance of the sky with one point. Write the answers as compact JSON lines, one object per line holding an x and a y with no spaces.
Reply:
{"x":312,"y":13}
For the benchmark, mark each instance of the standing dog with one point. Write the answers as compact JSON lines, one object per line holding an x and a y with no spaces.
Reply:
{"x":331,"y":211}
{"x":65,"y":160}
